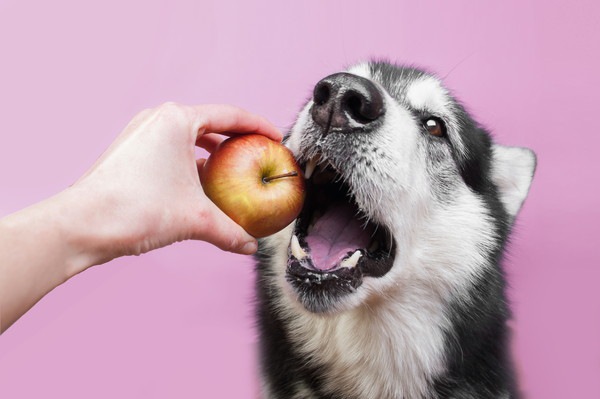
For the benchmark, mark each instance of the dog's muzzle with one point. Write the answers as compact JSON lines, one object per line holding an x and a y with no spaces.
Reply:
{"x":345,"y":102}
{"x":336,"y":243}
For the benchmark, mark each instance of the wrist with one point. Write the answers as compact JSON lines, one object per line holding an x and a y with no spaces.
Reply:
{"x":64,"y":229}
{"x":83,"y":221}
{"x":41,"y":247}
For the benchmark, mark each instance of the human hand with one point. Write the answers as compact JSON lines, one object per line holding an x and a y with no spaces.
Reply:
{"x":144,"y":192}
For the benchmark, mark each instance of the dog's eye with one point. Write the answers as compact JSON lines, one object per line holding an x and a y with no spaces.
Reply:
{"x":435,"y":127}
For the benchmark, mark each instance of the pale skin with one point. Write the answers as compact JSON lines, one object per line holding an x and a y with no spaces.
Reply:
{"x":143,"y":193}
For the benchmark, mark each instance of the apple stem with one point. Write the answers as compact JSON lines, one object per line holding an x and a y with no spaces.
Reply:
{"x":270,"y":178}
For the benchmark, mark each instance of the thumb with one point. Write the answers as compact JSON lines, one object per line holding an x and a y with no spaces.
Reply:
{"x":219,"y":230}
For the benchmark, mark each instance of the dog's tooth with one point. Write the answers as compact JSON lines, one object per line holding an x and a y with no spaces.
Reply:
{"x":310,"y":167}
{"x":297,"y":250}
{"x":352,"y":261}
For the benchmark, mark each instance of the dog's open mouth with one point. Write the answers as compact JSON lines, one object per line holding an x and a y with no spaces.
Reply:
{"x":334,"y":244}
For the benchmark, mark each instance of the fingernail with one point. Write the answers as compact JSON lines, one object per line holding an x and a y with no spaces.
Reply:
{"x":250,"y":247}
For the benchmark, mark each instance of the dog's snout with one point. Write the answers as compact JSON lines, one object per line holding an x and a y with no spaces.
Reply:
{"x":345,"y":101}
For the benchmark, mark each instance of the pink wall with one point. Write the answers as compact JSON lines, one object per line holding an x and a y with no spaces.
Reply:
{"x":178,"y":322}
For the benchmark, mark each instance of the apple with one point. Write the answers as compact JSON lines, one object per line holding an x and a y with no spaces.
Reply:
{"x":256,"y":182}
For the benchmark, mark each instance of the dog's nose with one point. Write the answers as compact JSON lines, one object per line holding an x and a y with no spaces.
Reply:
{"x":346,"y":102}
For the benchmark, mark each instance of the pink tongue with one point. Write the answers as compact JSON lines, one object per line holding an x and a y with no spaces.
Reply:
{"x":335,"y":234}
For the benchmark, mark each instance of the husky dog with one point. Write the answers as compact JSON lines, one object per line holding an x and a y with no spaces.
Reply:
{"x":388,"y":284}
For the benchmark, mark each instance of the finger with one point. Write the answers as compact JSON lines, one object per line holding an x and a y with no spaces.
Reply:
{"x":219,"y":230}
{"x":219,"y":118}
{"x":209,"y":141}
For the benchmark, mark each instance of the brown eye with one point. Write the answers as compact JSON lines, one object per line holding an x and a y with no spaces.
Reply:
{"x":435,"y":127}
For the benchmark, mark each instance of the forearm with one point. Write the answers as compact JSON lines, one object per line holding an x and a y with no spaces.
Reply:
{"x":40,"y":248}
{"x":143,"y":193}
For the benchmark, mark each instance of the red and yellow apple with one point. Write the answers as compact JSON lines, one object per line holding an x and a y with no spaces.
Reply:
{"x":256,"y":182}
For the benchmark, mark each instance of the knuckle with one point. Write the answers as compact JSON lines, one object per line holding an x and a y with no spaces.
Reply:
{"x":170,"y":108}
{"x":174,"y":112}
{"x":234,"y":243}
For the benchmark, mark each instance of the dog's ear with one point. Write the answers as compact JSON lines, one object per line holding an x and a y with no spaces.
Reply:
{"x":512,"y":172}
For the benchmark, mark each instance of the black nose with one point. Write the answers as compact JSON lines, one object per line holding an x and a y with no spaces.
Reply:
{"x":346,"y":102}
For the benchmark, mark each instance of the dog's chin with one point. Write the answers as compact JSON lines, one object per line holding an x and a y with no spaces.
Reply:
{"x":334,"y":246}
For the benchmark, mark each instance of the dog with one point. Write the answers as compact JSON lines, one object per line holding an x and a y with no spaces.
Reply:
{"x":389,"y":283}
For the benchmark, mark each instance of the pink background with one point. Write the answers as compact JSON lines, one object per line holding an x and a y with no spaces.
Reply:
{"x":178,"y":322}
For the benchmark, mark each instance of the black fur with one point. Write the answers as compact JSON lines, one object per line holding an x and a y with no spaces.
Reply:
{"x":281,"y":362}
{"x":476,"y":346}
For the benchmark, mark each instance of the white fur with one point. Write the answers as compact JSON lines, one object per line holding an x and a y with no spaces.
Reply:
{"x":293,"y":142}
{"x":403,"y":310}
{"x":386,"y":339}
{"x":427,"y":94}
{"x":361,"y":69}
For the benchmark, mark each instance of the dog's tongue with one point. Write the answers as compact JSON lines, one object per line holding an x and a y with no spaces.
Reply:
{"x":335,"y":234}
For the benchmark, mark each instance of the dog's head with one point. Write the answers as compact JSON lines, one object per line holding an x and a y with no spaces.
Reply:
{"x":404,"y":191}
